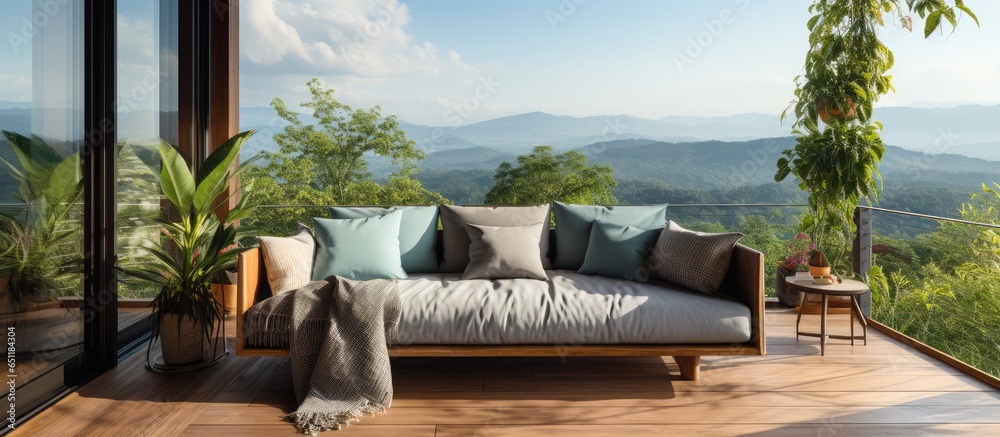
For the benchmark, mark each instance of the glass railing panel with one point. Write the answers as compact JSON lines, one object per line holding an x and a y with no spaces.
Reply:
{"x":938,"y":281}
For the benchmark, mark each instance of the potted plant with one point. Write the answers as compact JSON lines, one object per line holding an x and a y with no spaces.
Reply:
{"x":39,"y":250}
{"x":200,"y":246}
{"x":818,"y":265}
{"x":797,"y":263}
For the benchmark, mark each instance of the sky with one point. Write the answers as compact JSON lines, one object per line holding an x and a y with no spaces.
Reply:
{"x":450,"y":62}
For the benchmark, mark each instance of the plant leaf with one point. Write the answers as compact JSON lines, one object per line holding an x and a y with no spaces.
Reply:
{"x":65,"y":181}
{"x":933,"y":21}
{"x":213,"y":175}
{"x":175,"y":179}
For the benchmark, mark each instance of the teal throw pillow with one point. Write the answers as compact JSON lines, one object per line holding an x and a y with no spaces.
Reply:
{"x":360,"y":249}
{"x":417,"y":233}
{"x":573,"y":223}
{"x":617,"y":251}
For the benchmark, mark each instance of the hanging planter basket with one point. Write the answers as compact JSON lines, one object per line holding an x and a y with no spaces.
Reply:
{"x":828,"y":111}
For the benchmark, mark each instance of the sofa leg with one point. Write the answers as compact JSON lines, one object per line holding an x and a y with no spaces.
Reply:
{"x":689,"y":367}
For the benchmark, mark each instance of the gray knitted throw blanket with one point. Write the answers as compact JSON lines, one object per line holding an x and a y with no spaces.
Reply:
{"x":338,"y":331}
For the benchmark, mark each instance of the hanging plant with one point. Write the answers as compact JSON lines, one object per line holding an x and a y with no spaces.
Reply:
{"x":845,"y":74}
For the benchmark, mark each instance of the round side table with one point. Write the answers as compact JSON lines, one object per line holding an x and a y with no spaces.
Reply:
{"x":848,"y":287}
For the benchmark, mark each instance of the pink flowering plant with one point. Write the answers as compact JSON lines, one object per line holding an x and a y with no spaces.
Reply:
{"x":798,"y":253}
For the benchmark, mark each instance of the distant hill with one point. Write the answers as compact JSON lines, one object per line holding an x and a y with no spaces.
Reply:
{"x":473,"y":157}
{"x":967,"y":130}
{"x":717,"y":171}
{"x":717,"y":164}
{"x":988,"y":151}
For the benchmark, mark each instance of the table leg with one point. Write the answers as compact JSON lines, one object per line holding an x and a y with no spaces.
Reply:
{"x":822,"y":328}
{"x":852,"y":320}
{"x":802,"y":307}
{"x":856,"y":306}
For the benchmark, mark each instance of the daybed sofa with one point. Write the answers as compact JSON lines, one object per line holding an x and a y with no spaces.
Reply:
{"x":562,"y":313}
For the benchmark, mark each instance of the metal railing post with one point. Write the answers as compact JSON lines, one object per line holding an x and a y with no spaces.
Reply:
{"x":862,"y":252}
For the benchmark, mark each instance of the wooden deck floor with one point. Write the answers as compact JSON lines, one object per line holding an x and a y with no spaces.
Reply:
{"x":883,"y":389}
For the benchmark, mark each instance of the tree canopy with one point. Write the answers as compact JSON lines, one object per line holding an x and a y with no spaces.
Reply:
{"x":326,"y":163}
{"x":542,"y":177}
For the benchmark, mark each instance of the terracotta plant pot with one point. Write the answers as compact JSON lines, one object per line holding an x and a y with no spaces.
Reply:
{"x":819,"y":271}
{"x":832,"y":112}
{"x":224,"y":289}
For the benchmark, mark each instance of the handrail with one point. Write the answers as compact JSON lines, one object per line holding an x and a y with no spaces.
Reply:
{"x":741,"y":205}
{"x":671,"y":205}
{"x":930,"y":217}
{"x":733,"y":205}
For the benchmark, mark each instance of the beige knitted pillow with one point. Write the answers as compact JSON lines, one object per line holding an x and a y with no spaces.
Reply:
{"x":288,"y":260}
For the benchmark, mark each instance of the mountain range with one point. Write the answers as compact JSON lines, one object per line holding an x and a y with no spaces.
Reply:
{"x":968,"y":130}
{"x":951,"y":150}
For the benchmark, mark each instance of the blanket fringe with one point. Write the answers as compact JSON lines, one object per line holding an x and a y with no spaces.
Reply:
{"x":314,"y":422}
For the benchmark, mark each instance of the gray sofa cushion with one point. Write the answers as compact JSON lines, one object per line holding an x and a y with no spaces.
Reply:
{"x":568,"y":309}
{"x":504,"y":252}
{"x":456,"y":239}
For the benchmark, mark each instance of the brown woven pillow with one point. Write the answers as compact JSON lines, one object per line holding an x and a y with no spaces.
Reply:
{"x":695,"y":260}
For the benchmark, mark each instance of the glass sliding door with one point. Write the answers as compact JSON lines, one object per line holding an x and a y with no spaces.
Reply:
{"x":41,"y":193}
{"x":147,"y":110}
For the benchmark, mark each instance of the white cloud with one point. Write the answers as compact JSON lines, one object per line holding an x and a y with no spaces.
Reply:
{"x":364,"y":38}
{"x":361,"y":49}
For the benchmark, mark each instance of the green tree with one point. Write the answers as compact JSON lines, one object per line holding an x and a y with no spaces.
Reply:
{"x":542,"y":177}
{"x":326,"y":163}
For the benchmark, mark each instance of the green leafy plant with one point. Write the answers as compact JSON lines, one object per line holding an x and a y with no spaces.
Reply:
{"x":845,"y":74}
{"x":201,"y":244}
{"x":37,"y":253}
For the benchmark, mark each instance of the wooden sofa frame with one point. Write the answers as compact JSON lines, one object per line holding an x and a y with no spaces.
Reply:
{"x":744,"y":280}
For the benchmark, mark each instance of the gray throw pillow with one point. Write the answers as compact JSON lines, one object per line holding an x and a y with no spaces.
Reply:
{"x":616,"y":251}
{"x":288,"y":260}
{"x":695,"y":260}
{"x":456,"y":238}
{"x":504,"y":252}
{"x":417,"y":233}
{"x":573,"y":223}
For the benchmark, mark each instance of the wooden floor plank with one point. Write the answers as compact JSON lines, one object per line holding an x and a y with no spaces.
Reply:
{"x":794,"y":430}
{"x":288,"y":429}
{"x":226,"y":415}
{"x":884,"y":388}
